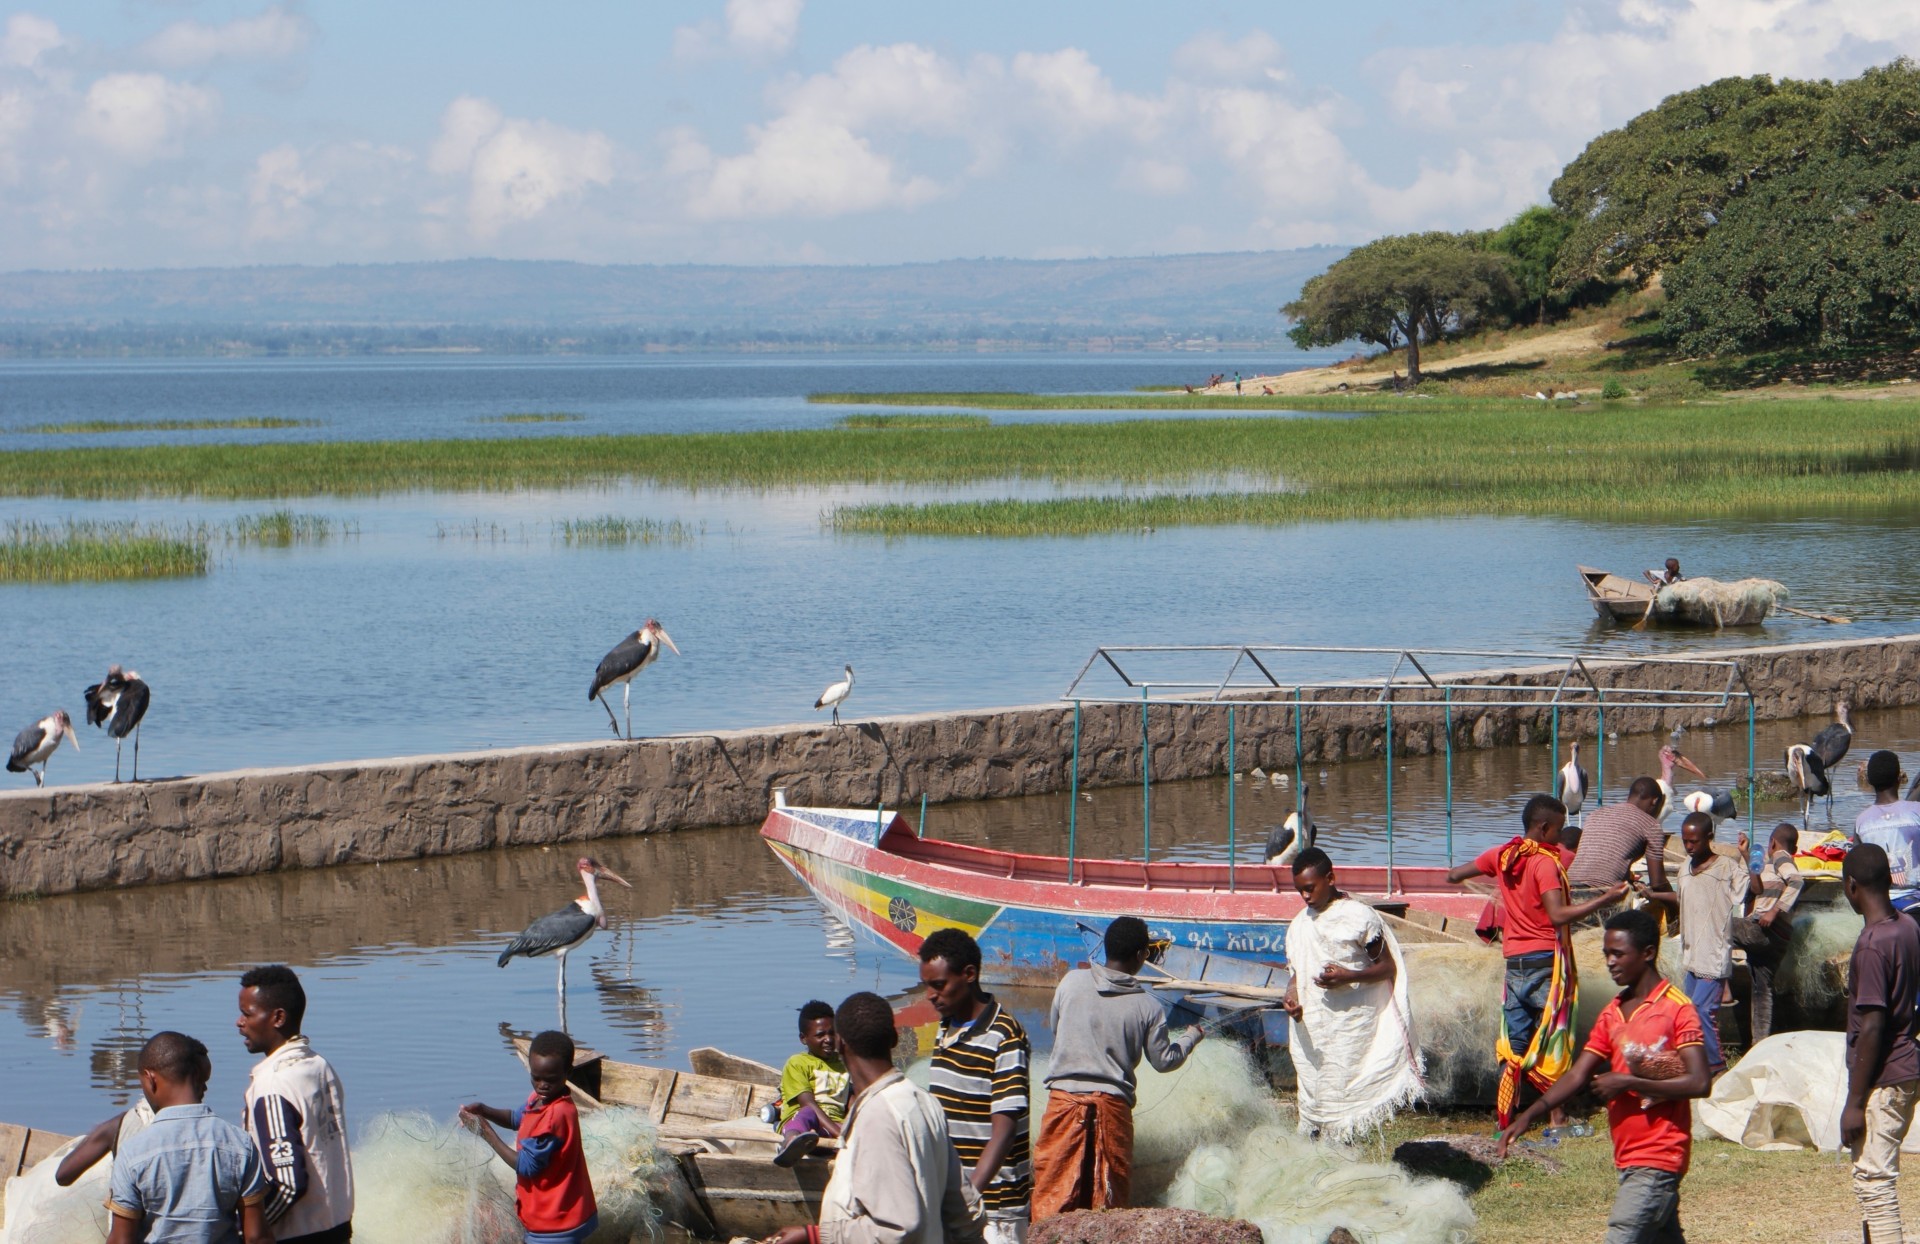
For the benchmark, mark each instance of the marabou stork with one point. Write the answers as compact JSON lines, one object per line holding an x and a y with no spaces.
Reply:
{"x":833,"y":697}
{"x":1292,"y":836}
{"x":119,"y":702}
{"x":1670,"y":758}
{"x":629,"y":657}
{"x":1809,"y":776}
{"x":1570,"y":784}
{"x":35,"y":744}
{"x":567,"y":928}
{"x":1717,"y":804}
{"x":1831,"y":744}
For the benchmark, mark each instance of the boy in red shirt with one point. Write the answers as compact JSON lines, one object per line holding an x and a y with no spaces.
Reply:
{"x":1650,"y":1042}
{"x":552,"y":1193}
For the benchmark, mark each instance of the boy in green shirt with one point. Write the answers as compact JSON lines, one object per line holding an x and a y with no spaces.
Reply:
{"x":813,"y":1086}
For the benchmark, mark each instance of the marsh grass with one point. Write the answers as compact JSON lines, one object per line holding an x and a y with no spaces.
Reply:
{"x":896,"y":422}
{"x":164,"y":425}
{"x":613,"y":530}
{"x":282,"y":528}
{"x":79,"y":550}
{"x":532,"y":416}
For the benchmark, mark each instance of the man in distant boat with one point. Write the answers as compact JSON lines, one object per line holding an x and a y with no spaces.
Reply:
{"x":1667,"y":577}
{"x":1353,"y":1047}
{"x":1103,"y":1022}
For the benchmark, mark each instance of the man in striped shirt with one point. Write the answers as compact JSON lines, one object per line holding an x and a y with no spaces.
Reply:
{"x":980,"y":1079}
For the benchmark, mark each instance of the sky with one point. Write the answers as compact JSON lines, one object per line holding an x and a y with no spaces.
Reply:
{"x":176,"y":133}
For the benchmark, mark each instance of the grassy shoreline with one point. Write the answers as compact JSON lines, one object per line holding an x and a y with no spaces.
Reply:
{"x":1414,"y":459}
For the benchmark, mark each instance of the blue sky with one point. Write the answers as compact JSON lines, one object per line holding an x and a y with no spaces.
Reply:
{"x":139,"y":133}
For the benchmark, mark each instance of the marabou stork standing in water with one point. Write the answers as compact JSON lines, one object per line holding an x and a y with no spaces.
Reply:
{"x":1809,"y":765}
{"x":1670,"y":758}
{"x":629,"y":657}
{"x":35,"y":744}
{"x":567,"y":928}
{"x":1292,"y":836}
{"x":833,"y":697}
{"x":1570,"y":784}
{"x":119,"y":702}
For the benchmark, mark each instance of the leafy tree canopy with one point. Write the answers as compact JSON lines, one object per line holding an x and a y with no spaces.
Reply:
{"x":1532,"y":242}
{"x":1399,"y":290}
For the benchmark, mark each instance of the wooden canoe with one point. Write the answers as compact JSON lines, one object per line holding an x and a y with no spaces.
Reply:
{"x":20,"y":1148}
{"x":1614,"y":596}
{"x":728,"y":1186}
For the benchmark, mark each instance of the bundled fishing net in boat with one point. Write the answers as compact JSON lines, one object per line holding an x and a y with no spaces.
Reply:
{"x":421,"y":1181}
{"x":1709,"y":602}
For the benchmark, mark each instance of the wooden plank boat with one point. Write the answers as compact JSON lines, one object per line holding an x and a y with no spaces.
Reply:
{"x":1615,"y":596}
{"x":20,"y":1149}
{"x":874,"y":873}
{"x":728,"y":1185}
{"x":1691,"y":602}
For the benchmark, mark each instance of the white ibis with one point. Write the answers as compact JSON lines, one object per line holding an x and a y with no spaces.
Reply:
{"x":1808,"y":776}
{"x":1717,"y":804}
{"x":629,"y":657}
{"x":833,"y":697}
{"x":1670,"y":758}
{"x":1570,"y":785}
{"x":35,"y":744}
{"x":1293,"y":835}
{"x":119,"y":702}
{"x":567,"y":928}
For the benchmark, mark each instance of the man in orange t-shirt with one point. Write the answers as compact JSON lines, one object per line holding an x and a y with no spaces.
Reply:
{"x":1650,"y":1042}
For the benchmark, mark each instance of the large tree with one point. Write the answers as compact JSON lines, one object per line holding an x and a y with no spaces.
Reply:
{"x":1398,"y":291}
{"x":1532,"y":242}
{"x":1644,"y":196}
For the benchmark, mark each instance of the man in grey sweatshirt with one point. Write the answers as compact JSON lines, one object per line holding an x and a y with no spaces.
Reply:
{"x":1104,"y":1022}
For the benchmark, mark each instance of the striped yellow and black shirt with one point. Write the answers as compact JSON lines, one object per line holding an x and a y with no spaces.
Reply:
{"x":980,"y":1070}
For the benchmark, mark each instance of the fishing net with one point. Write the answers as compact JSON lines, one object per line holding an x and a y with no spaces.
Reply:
{"x":1709,"y":602}
{"x":1814,"y":970}
{"x":418,"y":1181}
{"x":39,"y":1211}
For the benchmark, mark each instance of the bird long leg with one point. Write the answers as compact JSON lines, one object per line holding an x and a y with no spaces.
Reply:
{"x":611,"y":719}
{"x":117,"y":745}
{"x":562,"y":956}
{"x":626,"y":703}
{"x":836,"y":714}
{"x":39,"y":775}
{"x":136,"y":753}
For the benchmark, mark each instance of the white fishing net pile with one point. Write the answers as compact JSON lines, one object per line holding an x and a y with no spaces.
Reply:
{"x":1742,"y":602}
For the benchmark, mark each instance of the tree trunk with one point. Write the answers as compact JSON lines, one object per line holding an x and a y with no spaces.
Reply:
{"x":1413,"y":356}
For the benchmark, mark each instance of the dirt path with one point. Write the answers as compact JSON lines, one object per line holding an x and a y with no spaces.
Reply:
{"x":1562,"y":343}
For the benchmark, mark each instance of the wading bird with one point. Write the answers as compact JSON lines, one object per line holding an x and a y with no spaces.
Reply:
{"x":1570,"y":784}
{"x":119,"y":702}
{"x":1831,"y":744}
{"x":1294,"y":835}
{"x":629,"y":657}
{"x":833,"y":697}
{"x":1670,"y":758}
{"x":1808,"y":776}
{"x":567,"y":928}
{"x":35,"y":744}
{"x":1717,"y":804}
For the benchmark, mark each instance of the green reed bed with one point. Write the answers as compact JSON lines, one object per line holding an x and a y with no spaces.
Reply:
{"x":164,"y":425}
{"x":532,"y":416}
{"x":896,"y":422}
{"x":282,"y":528}
{"x":614,"y":530}
{"x":80,"y":551}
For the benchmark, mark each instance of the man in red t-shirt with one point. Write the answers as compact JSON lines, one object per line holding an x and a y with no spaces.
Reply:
{"x":1536,"y":1042}
{"x":552,"y":1191}
{"x":1650,"y":1043}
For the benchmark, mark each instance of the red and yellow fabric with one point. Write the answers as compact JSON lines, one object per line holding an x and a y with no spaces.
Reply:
{"x":1550,"y":1053}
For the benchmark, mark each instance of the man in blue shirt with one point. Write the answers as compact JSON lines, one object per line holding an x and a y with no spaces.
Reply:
{"x":190,"y":1176}
{"x":1892,"y":824}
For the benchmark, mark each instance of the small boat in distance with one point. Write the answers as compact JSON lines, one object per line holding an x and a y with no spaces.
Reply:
{"x":1029,"y":912}
{"x":1689,"y":602}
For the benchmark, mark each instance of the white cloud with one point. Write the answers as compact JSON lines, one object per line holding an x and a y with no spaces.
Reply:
{"x":516,"y":169}
{"x":797,"y":166}
{"x":280,"y":193}
{"x":754,"y":28}
{"x":273,"y":35}
{"x":1075,"y":94}
{"x":29,"y":37}
{"x":1213,"y":57}
{"x":140,"y":116}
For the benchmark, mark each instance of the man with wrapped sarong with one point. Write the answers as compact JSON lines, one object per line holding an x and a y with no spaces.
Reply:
{"x":1535,"y":1045}
{"x":1104,"y":1022}
{"x":1352,"y":1042}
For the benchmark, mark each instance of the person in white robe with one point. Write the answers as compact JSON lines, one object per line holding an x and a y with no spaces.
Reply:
{"x":1352,"y":1033}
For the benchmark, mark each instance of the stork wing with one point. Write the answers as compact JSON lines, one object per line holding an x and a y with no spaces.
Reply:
{"x":627,"y":656}
{"x":25,"y":744}
{"x":100,"y":700}
{"x":1831,"y":744}
{"x":550,"y":933}
{"x":129,"y":708}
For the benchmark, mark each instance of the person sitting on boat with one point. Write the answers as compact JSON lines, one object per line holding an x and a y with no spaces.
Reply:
{"x":897,"y":1180}
{"x":1104,"y":1021}
{"x":553,"y":1191}
{"x":813,"y":1086}
{"x":980,"y":1076}
{"x":1352,"y":1042}
{"x":1535,"y":1043}
{"x":1667,"y":577}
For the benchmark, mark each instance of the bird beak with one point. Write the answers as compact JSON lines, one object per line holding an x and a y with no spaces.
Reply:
{"x":610,"y":875}
{"x":1688,"y":765}
{"x":668,"y":639}
{"x":73,"y":738}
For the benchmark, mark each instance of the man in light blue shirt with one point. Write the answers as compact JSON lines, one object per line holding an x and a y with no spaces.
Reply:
{"x":1893,"y":825}
{"x":190,"y":1177}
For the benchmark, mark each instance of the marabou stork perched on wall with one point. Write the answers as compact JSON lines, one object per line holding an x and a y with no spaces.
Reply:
{"x":1670,"y":759}
{"x":1294,"y":835}
{"x":35,"y":744}
{"x":1570,"y":784}
{"x":119,"y":702}
{"x":568,"y":928}
{"x":629,"y":657}
{"x":833,"y":697}
{"x":1810,"y":765}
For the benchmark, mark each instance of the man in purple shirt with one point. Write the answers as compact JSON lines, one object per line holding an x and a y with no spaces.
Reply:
{"x":1883,"y":1059}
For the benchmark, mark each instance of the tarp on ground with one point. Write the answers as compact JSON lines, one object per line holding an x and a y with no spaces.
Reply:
{"x":1785,"y":1094}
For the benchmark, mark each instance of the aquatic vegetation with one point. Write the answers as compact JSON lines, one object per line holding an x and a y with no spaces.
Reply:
{"x":614,"y":529}
{"x":532,"y":416}
{"x":281,"y":528}
{"x":82,"y":551}
{"x":164,"y":425}
{"x":894,"y":422}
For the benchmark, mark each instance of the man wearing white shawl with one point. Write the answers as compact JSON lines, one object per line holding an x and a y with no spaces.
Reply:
{"x":1352,"y":1039}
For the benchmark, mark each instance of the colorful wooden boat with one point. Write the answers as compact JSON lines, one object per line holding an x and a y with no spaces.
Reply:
{"x":1027,"y":911}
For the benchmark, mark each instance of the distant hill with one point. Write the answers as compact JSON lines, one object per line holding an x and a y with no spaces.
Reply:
{"x":1221,"y":296}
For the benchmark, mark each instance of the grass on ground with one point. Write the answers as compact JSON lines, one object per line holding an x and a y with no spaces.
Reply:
{"x":893,"y":423}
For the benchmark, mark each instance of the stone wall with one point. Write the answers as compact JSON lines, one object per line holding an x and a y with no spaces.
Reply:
{"x":250,"y":821}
